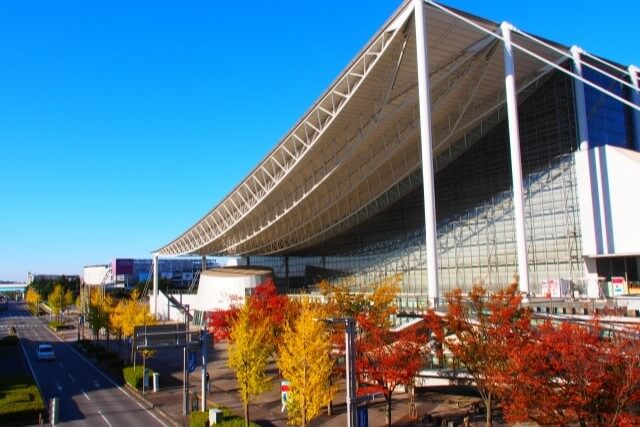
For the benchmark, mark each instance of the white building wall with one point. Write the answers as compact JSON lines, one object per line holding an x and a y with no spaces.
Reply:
{"x":93,"y":275}
{"x":216,"y":292}
{"x":609,"y":201}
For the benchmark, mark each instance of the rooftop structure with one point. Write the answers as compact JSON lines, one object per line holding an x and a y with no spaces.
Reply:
{"x":533,"y":152}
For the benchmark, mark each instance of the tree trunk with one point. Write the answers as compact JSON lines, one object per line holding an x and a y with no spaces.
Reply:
{"x":489,"y":407}
{"x":246,"y":415}
{"x":389,"y":410}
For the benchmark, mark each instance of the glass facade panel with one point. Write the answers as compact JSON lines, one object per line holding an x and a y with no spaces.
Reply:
{"x":608,"y":120}
{"x":476,"y":236}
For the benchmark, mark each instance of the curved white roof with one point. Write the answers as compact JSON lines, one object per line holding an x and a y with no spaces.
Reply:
{"x":356,"y":150}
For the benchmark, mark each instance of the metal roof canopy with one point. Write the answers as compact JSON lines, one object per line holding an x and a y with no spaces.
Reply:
{"x":357,"y":149}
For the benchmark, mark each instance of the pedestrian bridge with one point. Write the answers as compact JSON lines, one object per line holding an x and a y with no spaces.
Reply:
{"x":13,"y":287}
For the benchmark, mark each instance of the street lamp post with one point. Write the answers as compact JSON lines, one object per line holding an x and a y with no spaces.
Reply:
{"x":350,"y":365}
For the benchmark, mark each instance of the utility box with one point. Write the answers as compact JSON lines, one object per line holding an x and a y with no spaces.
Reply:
{"x":215,"y":416}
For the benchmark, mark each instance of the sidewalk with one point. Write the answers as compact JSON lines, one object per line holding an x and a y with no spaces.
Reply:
{"x":450,"y":403}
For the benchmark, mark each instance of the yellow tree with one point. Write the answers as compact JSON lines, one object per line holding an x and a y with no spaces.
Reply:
{"x":129,"y":313}
{"x":33,"y":298}
{"x":55,"y":300}
{"x":117,"y":320}
{"x":248,"y":357}
{"x":99,"y":308}
{"x":67,"y":299}
{"x":306,"y":363}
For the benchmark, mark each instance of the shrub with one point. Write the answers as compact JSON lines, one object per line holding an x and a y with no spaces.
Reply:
{"x":56,"y":325}
{"x":201,"y":419}
{"x":20,"y":400}
{"x":134,"y":377}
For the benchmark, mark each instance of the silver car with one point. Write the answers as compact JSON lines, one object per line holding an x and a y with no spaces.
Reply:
{"x":45,"y":352}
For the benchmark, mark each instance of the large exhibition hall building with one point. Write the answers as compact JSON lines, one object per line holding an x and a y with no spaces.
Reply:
{"x":452,"y":150}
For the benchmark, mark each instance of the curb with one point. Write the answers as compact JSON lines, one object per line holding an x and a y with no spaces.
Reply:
{"x":160,"y":412}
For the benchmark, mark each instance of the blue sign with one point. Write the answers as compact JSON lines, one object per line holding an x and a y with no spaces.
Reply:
{"x":192,"y":361}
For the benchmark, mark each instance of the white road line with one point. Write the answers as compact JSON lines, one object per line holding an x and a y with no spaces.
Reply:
{"x":61,"y":365}
{"x":59,"y":387}
{"x":104,"y":418}
{"x":123,"y":391}
{"x":71,"y":378}
{"x":96,"y":384}
{"x":85,"y":394}
{"x":33,"y":373}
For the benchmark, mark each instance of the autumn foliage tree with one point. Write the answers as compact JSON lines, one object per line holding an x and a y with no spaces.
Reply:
{"x":266,"y":307}
{"x":126,"y":315}
{"x":248,"y":357}
{"x":387,"y":359}
{"x":568,"y":374}
{"x":481,"y":330}
{"x":100,"y":306}
{"x":304,"y":360}
{"x":33,"y":299}
{"x":59,"y":299}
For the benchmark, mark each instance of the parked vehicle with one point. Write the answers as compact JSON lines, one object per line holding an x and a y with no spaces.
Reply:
{"x":45,"y":352}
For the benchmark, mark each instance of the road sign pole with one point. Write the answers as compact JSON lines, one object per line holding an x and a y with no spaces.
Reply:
{"x":203,"y":380}
{"x":184,"y":381}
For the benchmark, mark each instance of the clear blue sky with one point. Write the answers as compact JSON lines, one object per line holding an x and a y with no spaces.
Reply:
{"x":123,"y":122}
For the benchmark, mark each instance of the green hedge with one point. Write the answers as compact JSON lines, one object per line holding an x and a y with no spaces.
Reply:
{"x":20,"y":400}
{"x":134,"y":377}
{"x":55,"y":325}
{"x":201,"y":419}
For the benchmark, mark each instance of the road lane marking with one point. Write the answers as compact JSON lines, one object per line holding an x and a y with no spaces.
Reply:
{"x":61,"y":365}
{"x":59,"y":387}
{"x":96,"y":384}
{"x":71,"y":378}
{"x":104,"y":418}
{"x":85,"y":394}
{"x":92,"y":366}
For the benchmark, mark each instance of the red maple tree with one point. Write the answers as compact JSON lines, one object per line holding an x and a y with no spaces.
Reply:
{"x":569,"y":374}
{"x":386,"y":358}
{"x":265,"y":305}
{"x":479,"y":330}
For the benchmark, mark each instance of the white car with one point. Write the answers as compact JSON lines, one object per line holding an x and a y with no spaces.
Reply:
{"x":45,"y":352}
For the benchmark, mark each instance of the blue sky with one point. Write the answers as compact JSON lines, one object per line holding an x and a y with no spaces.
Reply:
{"x":123,"y":122}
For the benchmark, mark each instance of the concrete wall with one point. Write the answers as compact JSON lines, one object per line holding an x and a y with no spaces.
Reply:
{"x":609,"y":197}
{"x":94,"y":274}
{"x":219,"y":292}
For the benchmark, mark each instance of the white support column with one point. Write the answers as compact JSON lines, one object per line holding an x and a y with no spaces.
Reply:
{"x":155,"y":285}
{"x":581,"y":106}
{"x":635,"y":98}
{"x":426,"y":145}
{"x":585,"y":145}
{"x":516,"y":163}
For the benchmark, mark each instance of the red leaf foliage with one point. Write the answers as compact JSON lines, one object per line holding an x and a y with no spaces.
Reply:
{"x":569,"y":374}
{"x":385,"y":358}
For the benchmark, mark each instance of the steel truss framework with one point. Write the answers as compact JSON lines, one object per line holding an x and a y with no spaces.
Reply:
{"x":357,"y":149}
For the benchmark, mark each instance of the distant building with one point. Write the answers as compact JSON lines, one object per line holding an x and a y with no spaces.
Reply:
{"x":127,"y":272}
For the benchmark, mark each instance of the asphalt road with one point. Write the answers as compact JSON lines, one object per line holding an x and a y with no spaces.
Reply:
{"x":87,"y":396}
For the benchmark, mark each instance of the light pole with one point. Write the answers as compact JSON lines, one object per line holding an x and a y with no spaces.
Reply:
{"x":350,"y":365}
